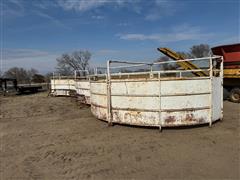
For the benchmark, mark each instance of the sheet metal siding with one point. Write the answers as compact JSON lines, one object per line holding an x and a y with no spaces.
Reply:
{"x":62,"y":87}
{"x":182,"y":102}
{"x":217,"y":112}
{"x":83,"y":89}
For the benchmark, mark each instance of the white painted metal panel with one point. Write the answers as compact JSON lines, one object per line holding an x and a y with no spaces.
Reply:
{"x":134,"y":88}
{"x":217,"y":98}
{"x":83,"y":88}
{"x":183,"y":102}
{"x":99,"y":88}
{"x":62,"y":87}
{"x":146,"y":103}
{"x":130,"y":105}
{"x":185,"y":86}
{"x":100,"y":100}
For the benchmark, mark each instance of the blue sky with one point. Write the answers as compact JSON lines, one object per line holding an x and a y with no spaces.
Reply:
{"x":35,"y":32}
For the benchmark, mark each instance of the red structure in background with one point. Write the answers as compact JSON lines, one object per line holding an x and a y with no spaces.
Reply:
{"x":231,"y":80}
{"x":230,"y":53}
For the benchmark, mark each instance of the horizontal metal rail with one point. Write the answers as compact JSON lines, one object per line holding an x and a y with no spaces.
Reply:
{"x":152,"y":110}
{"x":153,"y":79}
{"x":157,"y":63}
{"x":152,"y":95}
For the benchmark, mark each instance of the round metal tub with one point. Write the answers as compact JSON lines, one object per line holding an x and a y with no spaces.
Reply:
{"x":83,"y":91}
{"x":144,"y":99}
{"x":62,"y":87}
{"x":72,"y":87}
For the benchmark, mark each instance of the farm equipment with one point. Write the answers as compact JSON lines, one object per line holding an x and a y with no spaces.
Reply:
{"x":231,"y":81}
{"x":231,"y":55}
{"x":10,"y":84}
{"x":184,"y":64}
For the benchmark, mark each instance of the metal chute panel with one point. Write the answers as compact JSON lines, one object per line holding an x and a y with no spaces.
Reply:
{"x":62,"y":87}
{"x":151,"y":100}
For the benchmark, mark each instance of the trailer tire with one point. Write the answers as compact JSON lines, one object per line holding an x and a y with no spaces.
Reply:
{"x":226,"y":94}
{"x":235,"y":95}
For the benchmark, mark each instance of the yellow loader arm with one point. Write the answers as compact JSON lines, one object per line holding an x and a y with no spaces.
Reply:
{"x":185,"y":65}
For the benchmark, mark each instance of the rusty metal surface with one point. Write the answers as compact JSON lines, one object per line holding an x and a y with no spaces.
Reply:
{"x":184,"y":102}
{"x":147,"y":99}
{"x":71,"y":87}
{"x":62,"y":87}
{"x":83,"y":90}
{"x":154,"y":101}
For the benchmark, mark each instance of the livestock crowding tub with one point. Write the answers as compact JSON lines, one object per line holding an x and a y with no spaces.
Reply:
{"x":155,"y":98}
{"x":71,"y":86}
{"x":161,"y":98}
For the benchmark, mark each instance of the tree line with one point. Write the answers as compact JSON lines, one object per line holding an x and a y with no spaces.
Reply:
{"x":67,"y":63}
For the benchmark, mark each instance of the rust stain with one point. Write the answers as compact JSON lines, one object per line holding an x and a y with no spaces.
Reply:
{"x":116,"y":117}
{"x":133,"y":116}
{"x":170,"y":119}
{"x":201,"y":120}
{"x":99,"y":113}
{"x":190,"y":118}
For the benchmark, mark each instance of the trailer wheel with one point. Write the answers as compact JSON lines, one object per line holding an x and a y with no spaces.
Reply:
{"x":235,"y":95}
{"x":226,"y":94}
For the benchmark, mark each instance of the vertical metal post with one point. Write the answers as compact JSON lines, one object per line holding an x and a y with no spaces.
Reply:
{"x":211,"y":91}
{"x":54,"y":86}
{"x":221,"y":76}
{"x":75,"y":74}
{"x":109,"y":101}
{"x":151,"y":69}
{"x":160,"y":102}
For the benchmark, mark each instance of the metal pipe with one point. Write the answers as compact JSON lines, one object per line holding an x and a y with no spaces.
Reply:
{"x":211,"y":90}
{"x":221,"y":76}
{"x":129,"y":62}
{"x":136,"y":65}
{"x":160,"y":103}
{"x":157,"y":63}
{"x":109,"y":103}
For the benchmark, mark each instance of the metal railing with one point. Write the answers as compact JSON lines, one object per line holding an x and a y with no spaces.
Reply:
{"x":215,"y":69}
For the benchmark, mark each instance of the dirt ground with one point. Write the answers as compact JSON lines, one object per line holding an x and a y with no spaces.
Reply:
{"x":54,"y":138}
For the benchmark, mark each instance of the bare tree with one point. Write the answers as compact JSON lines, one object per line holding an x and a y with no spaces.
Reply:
{"x":38,"y":78}
{"x":63,"y":66}
{"x":22,"y":75}
{"x":48,"y":77}
{"x":201,"y":50}
{"x":78,"y":60}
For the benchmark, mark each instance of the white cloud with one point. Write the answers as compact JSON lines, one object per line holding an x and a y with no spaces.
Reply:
{"x":12,"y":8}
{"x":52,"y":19}
{"x":86,"y":5}
{"x":81,"y":5}
{"x":177,"y":34}
{"x":160,"y":9}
